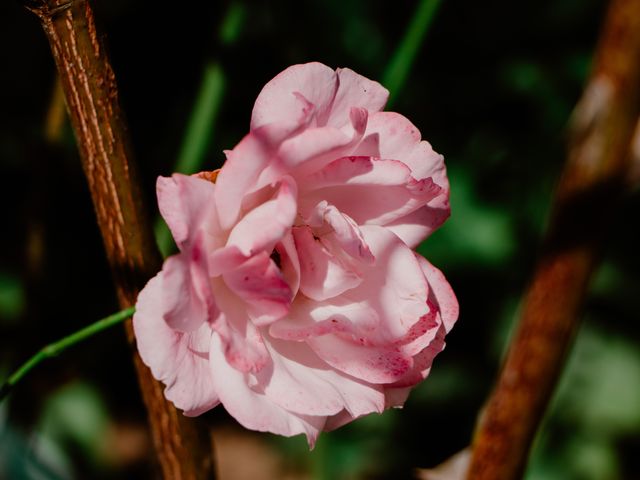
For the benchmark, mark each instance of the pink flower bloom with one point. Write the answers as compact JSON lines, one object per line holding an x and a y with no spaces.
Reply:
{"x":296,"y":300}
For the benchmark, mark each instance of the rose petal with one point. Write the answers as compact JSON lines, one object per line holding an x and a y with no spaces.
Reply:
{"x":322,"y":274}
{"x":279,"y":99}
{"x":381,"y":311}
{"x":367,"y":190}
{"x":347,"y":235}
{"x":355,"y":91}
{"x":396,"y":397}
{"x":395,"y":286}
{"x":338,"y":420}
{"x":441,"y":293}
{"x":255,"y":410}
{"x":238,"y":176}
{"x":242,"y":341}
{"x":187,"y":301}
{"x":314,"y":148}
{"x":400,"y":140}
{"x":289,"y":262}
{"x":324,"y":142}
{"x":371,"y":364}
{"x":179,"y":360}
{"x":421,"y":333}
{"x":418,"y":225}
{"x":264,"y":226}
{"x":186,"y":205}
{"x":225,"y":259}
{"x":260,"y":284}
{"x":300,"y":382}
{"x":310,"y":318}
{"x":422,"y":362}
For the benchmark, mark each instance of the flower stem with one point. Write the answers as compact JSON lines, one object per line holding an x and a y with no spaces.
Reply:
{"x":397,"y":71}
{"x":197,"y":137}
{"x":55,"y":348}
{"x":200,"y":128}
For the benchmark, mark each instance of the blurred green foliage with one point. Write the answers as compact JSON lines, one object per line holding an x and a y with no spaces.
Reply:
{"x":490,"y":84}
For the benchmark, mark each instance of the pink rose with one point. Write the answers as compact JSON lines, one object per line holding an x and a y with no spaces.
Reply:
{"x":296,"y":300}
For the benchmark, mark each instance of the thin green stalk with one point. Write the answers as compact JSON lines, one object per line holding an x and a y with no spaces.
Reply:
{"x":55,"y":348}
{"x":199,"y":131}
{"x":397,"y":71}
{"x":197,"y":138}
{"x":200,"y":128}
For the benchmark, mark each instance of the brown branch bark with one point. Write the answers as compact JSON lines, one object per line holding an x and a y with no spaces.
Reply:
{"x":183,"y":450}
{"x":591,"y":187}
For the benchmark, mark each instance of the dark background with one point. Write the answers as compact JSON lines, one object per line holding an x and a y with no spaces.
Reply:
{"x":492,"y":89}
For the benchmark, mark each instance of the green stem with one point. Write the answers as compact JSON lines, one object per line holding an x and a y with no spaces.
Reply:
{"x":397,"y":71}
{"x":206,"y":108}
{"x":197,"y":139}
{"x":58,"y":347}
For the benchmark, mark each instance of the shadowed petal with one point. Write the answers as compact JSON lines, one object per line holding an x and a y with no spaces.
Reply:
{"x":441,"y":293}
{"x":187,"y":300}
{"x":300,"y":382}
{"x":264,"y":226}
{"x":186,"y":204}
{"x":415,"y":227}
{"x":242,"y":342}
{"x":255,"y":410}
{"x":323,"y":275}
{"x":179,"y":360}
{"x":260,"y":284}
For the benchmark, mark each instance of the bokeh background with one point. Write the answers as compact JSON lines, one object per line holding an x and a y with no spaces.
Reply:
{"x":492,"y":88}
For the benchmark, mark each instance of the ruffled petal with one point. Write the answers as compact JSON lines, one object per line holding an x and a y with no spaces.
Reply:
{"x":400,"y":140}
{"x":371,"y":364}
{"x":347,"y":235}
{"x":280,"y":99}
{"x":179,"y":360}
{"x":238,"y":177}
{"x":440,"y":293}
{"x":289,"y":262}
{"x":255,"y":410}
{"x":185,"y":203}
{"x":369,"y":191}
{"x":314,"y":148}
{"x":225,"y":259}
{"x":395,"y":287}
{"x":260,"y":284}
{"x":422,"y":362}
{"x":381,"y":311}
{"x":302,"y":383}
{"x":242,"y":342}
{"x":372,"y":331}
{"x":355,"y":91}
{"x":418,"y":225}
{"x":264,"y":226}
{"x":323,"y":275}
{"x":187,"y":301}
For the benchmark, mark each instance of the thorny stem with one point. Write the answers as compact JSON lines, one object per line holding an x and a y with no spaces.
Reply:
{"x":593,"y":184}
{"x":55,"y":348}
